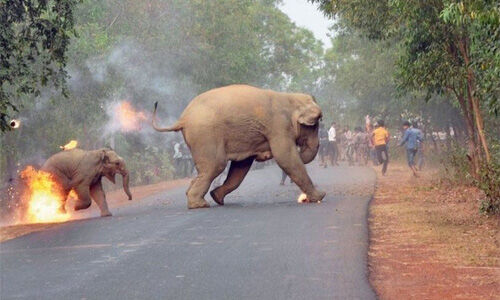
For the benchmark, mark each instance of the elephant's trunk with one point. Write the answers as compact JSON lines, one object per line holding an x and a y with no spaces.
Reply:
{"x":308,"y":142}
{"x":125,"y":176}
{"x":307,"y":154}
{"x":309,"y":149}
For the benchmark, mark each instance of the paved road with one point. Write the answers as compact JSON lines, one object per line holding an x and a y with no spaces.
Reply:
{"x":261,"y":245}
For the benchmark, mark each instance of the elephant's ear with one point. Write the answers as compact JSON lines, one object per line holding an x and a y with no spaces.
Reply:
{"x":309,"y":115}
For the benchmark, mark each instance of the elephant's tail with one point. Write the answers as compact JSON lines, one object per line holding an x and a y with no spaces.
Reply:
{"x":175,"y":127}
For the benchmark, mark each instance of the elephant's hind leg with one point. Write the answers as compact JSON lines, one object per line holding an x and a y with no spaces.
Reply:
{"x":237,"y":172}
{"x":207,"y":172}
{"x":84,"y":200}
{"x":99,"y":197}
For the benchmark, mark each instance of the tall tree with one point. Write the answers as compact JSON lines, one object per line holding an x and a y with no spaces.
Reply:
{"x":438,"y":39}
{"x":34,"y":37}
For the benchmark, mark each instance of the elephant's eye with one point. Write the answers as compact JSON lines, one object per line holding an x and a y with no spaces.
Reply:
{"x":117,"y":163}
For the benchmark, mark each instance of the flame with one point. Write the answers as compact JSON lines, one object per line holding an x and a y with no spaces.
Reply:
{"x":44,"y":197}
{"x":14,"y":123}
{"x":72,"y":194}
{"x":71,"y":145}
{"x":128,"y":117}
{"x":302,"y":198}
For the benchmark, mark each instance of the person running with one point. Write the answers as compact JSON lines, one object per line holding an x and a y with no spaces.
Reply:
{"x":361,"y":146}
{"x":411,"y":138}
{"x":380,"y":138}
{"x":332,"y":145}
{"x":323,"y":144}
{"x":420,"y":152}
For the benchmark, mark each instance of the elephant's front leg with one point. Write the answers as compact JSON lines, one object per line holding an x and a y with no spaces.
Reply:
{"x":237,"y":172}
{"x":99,"y":197}
{"x":286,"y":155}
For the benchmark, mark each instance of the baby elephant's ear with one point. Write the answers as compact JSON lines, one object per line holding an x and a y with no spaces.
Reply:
{"x":309,"y":115}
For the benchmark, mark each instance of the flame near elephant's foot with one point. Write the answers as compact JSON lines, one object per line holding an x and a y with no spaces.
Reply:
{"x":43,"y":197}
{"x":303,"y":199}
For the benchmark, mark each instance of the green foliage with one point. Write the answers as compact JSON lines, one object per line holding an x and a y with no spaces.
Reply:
{"x":489,"y":183}
{"x":456,"y":165}
{"x":150,"y":165}
{"x":155,"y":50}
{"x":480,"y":21}
{"x":449,"y":48}
{"x":34,"y":38}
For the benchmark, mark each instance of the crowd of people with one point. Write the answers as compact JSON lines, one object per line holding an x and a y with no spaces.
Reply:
{"x":368,"y":144}
{"x":337,"y":143}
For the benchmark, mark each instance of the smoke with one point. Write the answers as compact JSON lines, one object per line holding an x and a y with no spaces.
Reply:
{"x":143,"y":74}
{"x":143,"y":78}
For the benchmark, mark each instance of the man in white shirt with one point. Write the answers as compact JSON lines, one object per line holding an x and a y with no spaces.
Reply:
{"x":177,"y":159}
{"x":332,"y":145}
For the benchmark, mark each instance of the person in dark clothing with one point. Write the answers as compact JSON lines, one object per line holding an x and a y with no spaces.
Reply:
{"x":411,"y":138}
{"x":420,"y":151}
{"x":323,"y":144}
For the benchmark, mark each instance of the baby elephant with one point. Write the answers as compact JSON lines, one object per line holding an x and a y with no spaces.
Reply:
{"x":82,"y":171}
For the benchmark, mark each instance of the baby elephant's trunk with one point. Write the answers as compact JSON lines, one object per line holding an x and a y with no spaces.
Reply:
{"x":125,"y":176}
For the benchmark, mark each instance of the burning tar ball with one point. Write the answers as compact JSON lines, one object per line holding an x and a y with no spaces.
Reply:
{"x":14,"y":124}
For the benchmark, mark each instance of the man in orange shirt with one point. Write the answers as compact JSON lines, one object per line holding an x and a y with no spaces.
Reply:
{"x":380,"y":137}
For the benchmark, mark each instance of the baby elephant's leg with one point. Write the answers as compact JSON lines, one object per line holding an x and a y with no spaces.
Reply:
{"x":99,"y":197}
{"x":84,"y":200}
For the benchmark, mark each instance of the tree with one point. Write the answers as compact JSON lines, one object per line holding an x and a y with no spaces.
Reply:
{"x":34,"y":37}
{"x":156,"y":50}
{"x":437,"y":50}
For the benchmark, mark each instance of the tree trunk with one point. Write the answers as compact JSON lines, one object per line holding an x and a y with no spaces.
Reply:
{"x":471,"y":134}
{"x":472,"y":99}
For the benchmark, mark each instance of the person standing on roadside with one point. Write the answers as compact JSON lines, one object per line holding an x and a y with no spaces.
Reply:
{"x":411,"y":138}
{"x":323,"y":145}
{"x":380,"y":137}
{"x":332,"y":144}
{"x":177,"y":159}
{"x":348,"y":145}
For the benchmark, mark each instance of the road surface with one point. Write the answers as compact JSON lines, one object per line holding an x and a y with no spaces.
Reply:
{"x":261,"y":245}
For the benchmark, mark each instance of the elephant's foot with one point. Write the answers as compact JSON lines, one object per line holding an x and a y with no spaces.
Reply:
{"x":82,"y":205}
{"x":316,"y":196}
{"x":218,"y":196}
{"x":106,"y":214}
{"x":192,"y":204}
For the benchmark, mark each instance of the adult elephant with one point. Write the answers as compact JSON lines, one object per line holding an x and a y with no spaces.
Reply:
{"x":82,"y":171}
{"x":241,"y":123}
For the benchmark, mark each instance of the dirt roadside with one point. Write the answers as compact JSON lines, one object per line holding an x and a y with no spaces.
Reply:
{"x":116,"y":198}
{"x":428,"y":241}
